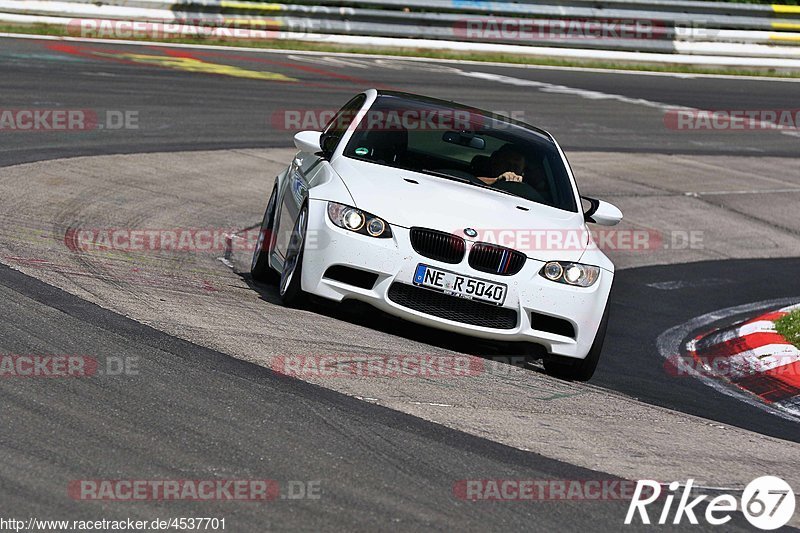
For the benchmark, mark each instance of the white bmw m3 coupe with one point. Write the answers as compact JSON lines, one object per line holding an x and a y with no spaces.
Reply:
{"x":447,"y":216}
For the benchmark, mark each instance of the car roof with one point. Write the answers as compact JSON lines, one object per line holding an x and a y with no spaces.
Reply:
{"x":456,"y":105}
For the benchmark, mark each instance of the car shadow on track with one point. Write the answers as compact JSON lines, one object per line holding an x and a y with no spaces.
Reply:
{"x":523,"y":355}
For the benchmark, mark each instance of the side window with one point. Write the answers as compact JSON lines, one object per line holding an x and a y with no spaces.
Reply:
{"x":338,"y":125}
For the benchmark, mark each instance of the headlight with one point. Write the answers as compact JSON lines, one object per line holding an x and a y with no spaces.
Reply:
{"x":553,"y":271}
{"x":570,"y":273}
{"x":376,"y":227}
{"x":358,"y":221}
{"x":353,"y":219}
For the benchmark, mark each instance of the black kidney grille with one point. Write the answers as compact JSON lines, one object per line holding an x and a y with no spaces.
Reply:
{"x":452,"y":307}
{"x":438,"y":245}
{"x":496,"y":259}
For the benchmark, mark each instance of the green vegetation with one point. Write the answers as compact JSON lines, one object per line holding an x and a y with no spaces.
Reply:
{"x":46,"y":29}
{"x":789,"y":327}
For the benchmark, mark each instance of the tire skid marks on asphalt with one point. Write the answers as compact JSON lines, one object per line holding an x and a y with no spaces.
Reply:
{"x":572,"y":91}
{"x":597,"y":95}
{"x":170,"y":60}
{"x":758,"y":359}
{"x":368,"y":63}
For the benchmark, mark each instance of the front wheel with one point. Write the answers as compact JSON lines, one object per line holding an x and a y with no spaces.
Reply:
{"x":579,"y":369}
{"x":291,"y":291}
{"x":259,"y":268}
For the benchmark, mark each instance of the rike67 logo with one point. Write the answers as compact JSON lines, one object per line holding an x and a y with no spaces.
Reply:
{"x":767,"y":503}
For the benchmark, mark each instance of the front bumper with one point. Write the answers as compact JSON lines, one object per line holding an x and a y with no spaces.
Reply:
{"x":394,"y":261}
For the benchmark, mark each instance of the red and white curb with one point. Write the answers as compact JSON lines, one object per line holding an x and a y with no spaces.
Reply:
{"x":752,"y":356}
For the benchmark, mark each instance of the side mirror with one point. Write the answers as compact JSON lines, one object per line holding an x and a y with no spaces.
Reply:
{"x":307,"y":141}
{"x":600,"y":212}
{"x":328,"y":142}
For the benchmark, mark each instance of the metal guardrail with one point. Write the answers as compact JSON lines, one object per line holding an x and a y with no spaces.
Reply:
{"x":660,"y":26}
{"x":566,"y":8}
{"x":689,"y":14}
{"x":682,"y":6}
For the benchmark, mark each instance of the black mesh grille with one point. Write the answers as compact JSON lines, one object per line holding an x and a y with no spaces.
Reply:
{"x":438,"y":245}
{"x":452,"y":307}
{"x":496,"y":259}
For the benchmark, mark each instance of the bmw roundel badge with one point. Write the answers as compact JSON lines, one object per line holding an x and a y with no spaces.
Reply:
{"x":469,"y":232}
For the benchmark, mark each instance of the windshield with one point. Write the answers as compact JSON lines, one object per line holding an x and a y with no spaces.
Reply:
{"x":465,"y":145}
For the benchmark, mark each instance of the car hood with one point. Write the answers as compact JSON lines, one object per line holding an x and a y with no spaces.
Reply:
{"x":542,"y":232}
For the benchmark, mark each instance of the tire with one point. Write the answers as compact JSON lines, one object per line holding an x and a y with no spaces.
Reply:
{"x":290,"y":289}
{"x":259,"y":267}
{"x":579,"y":369}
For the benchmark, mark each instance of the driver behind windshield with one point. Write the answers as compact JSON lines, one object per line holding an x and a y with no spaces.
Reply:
{"x":507,"y":163}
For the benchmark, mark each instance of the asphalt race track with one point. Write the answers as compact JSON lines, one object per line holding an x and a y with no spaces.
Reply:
{"x":210,"y":133}
{"x":728,"y":283}
{"x":179,"y":110}
{"x":369,"y":459}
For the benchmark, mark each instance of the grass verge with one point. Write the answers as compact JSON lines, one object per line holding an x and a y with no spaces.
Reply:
{"x":47,"y":29}
{"x":789,"y":327}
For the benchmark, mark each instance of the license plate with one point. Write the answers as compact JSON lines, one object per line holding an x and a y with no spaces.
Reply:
{"x":461,"y":286}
